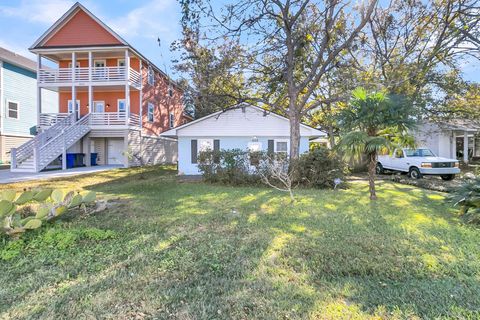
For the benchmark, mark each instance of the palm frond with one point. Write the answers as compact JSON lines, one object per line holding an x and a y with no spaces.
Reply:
{"x":377,"y":144}
{"x":352,"y":145}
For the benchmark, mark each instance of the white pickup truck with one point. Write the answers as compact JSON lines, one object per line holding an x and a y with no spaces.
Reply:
{"x":418,"y":162}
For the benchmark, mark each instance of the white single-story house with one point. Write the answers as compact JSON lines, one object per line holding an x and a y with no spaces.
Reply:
{"x":457,"y":139}
{"x":243,"y":127}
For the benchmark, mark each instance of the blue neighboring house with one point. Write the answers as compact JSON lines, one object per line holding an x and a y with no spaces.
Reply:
{"x":18,"y":101}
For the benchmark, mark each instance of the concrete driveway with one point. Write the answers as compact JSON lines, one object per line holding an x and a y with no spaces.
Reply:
{"x":10,"y":177}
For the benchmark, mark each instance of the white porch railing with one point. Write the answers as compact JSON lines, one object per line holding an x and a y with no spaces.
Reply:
{"x":49,"y":119}
{"x":94,"y":75}
{"x":95,"y":119}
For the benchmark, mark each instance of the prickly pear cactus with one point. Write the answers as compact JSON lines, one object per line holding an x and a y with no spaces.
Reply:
{"x":48,"y":204}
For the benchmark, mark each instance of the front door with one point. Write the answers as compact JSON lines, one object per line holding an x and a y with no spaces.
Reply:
{"x":98,"y":106}
{"x":99,"y":70}
{"x":115,"y":151}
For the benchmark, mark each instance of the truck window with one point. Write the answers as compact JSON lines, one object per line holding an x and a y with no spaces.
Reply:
{"x":398,"y":153}
{"x":419,"y":153}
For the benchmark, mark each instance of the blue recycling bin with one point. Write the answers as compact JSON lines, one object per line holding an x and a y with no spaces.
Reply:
{"x":71,"y":160}
{"x":93,"y":159}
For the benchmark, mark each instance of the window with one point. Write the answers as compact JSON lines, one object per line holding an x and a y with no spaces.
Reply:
{"x":419,"y":153}
{"x":77,"y":64}
{"x":205,"y":145}
{"x":150,"y":112}
{"x":99,"y":106}
{"x":151,"y":76}
{"x":171,"y":120}
{"x":121,"y":62}
{"x":399,"y":153}
{"x":170,"y":91}
{"x":70,"y":106}
{"x":122,"y":107}
{"x":99,"y":63}
{"x":254,"y":145}
{"x":12,"y":109}
{"x":281,"y":146}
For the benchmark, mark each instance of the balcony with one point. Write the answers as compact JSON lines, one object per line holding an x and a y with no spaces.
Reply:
{"x":112,"y":120}
{"x":85,"y":76}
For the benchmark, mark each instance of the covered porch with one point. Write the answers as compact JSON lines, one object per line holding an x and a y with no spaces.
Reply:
{"x":465,"y":139}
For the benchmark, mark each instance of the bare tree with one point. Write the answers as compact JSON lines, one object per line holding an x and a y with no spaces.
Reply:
{"x":411,"y":47}
{"x":289,"y":46}
{"x":275,"y":173}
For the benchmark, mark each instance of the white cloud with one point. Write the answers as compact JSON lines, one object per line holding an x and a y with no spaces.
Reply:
{"x":155,"y":18}
{"x":40,"y":11}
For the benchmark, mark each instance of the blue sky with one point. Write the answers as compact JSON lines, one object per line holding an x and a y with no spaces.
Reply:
{"x":138,"y":22}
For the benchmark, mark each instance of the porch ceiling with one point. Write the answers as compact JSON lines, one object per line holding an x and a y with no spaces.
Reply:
{"x":83,"y":55}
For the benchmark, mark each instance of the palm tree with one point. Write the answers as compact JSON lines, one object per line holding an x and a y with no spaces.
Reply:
{"x":376,"y":123}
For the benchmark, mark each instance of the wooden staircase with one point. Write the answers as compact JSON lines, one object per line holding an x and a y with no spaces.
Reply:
{"x":36,"y":154}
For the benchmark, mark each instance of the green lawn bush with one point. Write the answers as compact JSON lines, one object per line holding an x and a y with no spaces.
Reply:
{"x":318,"y":168}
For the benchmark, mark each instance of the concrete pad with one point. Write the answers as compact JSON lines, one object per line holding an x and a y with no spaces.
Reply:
{"x":11,"y":177}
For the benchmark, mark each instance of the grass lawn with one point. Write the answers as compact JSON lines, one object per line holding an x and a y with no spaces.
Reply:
{"x":199,"y":251}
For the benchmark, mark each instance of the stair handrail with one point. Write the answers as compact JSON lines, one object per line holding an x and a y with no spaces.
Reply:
{"x":83,"y":121}
{"x":26,"y":150}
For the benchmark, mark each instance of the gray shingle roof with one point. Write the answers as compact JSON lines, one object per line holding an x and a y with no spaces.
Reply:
{"x":18,"y":60}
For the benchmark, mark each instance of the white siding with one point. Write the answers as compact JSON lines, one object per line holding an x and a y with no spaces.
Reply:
{"x":185,"y":165}
{"x":439,"y":140}
{"x":248,"y":121}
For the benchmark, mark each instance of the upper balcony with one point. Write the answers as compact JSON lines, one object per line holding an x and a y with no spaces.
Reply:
{"x":96,"y":120}
{"x":84,"y":76}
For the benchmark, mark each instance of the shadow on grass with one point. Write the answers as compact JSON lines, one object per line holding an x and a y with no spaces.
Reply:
{"x":194,"y":250}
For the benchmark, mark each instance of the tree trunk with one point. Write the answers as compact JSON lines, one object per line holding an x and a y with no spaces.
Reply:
{"x":372,"y":163}
{"x":331,"y":137}
{"x":294,"y":135}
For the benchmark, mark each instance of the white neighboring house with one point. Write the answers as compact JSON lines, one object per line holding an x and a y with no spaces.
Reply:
{"x":243,"y":127}
{"x":456,"y":139}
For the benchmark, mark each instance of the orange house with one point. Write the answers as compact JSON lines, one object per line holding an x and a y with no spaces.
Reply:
{"x":113,"y":102}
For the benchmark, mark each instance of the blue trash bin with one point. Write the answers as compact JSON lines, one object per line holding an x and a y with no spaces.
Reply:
{"x":70,"y":160}
{"x":93,"y":159}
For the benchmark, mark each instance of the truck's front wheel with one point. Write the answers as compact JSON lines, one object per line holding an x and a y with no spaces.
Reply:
{"x":379,"y":168}
{"x":414,"y":173}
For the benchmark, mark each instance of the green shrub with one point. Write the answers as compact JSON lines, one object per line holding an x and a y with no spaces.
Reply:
{"x":319,"y":168}
{"x":467,"y":198}
{"x":232,"y":167}
{"x":316,"y":169}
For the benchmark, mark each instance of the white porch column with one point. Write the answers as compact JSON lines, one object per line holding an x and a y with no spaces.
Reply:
{"x":39,"y":89}
{"x":127,"y":85}
{"x":74,"y":89}
{"x":141,"y":97}
{"x":90,"y":90}
{"x":465,"y":146}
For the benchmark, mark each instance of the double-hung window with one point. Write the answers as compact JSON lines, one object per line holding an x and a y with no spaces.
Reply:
{"x":150,"y":112}
{"x":205,"y":145}
{"x":171,"y":120}
{"x":12,"y":110}
{"x":151,"y":76}
{"x":281,"y":146}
